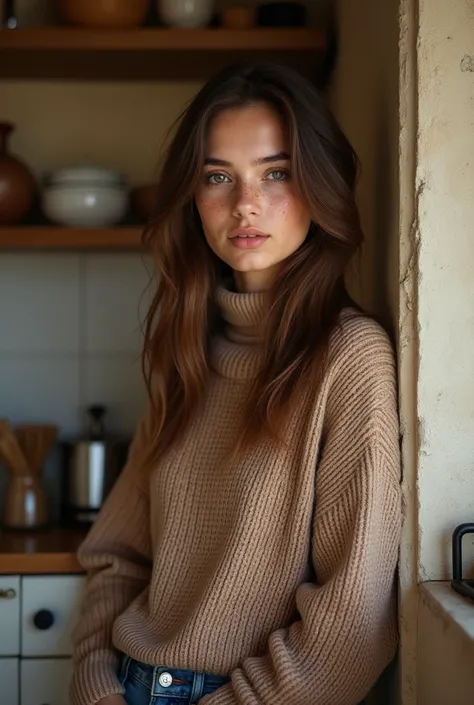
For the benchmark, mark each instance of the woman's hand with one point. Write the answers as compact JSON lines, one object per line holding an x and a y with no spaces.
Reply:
{"x":112,"y":700}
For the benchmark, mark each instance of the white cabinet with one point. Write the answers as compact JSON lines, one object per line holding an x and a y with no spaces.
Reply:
{"x":9,"y":615}
{"x":9,"y":681}
{"x":37,"y":616}
{"x":50,"y":605}
{"x":45,"y":681}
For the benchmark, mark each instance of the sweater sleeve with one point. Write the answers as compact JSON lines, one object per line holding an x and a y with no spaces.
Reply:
{"x":117,"y":557}
{"x":346,"y":630}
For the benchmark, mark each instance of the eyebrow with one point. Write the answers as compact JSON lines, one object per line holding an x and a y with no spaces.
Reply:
{"x":280,"y":157}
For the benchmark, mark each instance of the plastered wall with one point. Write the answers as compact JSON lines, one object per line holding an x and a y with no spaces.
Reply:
{"x":445,"y":218}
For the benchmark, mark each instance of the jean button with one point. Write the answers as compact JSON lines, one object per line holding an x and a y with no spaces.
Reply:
{"x":165,"y":680}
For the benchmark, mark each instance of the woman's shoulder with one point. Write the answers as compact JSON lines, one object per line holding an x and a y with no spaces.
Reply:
{"x":359,"y":342}
{"x":360,"y":374}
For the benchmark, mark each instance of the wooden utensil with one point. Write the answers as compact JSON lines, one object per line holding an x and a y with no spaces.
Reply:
{"x":36,"y":442}
{"x":10,"y":450}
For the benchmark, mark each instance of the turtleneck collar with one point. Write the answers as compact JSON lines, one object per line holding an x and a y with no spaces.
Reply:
{"x":236,"y":353}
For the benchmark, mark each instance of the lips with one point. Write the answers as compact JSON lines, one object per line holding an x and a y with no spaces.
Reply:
{"x":248,"y":238}
{"x":243,"y":233}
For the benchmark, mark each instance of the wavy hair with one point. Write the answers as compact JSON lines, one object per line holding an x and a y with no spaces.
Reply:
{"x":305,"y":300}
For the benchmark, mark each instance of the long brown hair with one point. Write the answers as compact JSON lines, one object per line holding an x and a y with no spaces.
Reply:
{"x":306,"y":299}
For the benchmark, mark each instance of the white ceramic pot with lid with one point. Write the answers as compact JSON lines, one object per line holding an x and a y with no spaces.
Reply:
{"x":85,"y":196}
{"x":186,"y":13}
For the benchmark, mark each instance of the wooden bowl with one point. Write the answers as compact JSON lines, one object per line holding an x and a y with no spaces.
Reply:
{"x":143,"y":200}
{"x":104,"y":13}
{"x":238,"y":17}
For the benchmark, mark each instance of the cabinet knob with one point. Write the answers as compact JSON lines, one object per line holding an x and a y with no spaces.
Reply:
{"x":43,"y":619}
{"x":7,"y":594}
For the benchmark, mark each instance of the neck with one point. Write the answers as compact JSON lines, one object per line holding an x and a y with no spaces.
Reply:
{"x":236,"y":353}
{"x":253,"y":282}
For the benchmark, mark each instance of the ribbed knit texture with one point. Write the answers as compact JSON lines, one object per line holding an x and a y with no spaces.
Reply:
{"x":277,"y":568}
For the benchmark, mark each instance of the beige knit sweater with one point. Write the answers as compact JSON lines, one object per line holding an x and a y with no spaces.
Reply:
{"x":277,"y":569}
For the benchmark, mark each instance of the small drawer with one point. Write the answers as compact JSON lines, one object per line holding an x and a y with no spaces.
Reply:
{"x":50,"y":607}
{"x":9,"y":615}
{"x":45,"y":681}
{"x":9,"y":681}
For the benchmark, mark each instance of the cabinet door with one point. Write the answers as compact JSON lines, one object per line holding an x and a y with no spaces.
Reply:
{"x":9,"y":675}
{"x":9,"y":615}
{"x":49,"y":613}
{"x":45,"y":681}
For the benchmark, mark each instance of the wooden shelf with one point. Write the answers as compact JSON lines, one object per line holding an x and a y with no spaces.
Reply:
{"x":52,"y":551}
{"x":50,"y":237}
{"x":67,"y":38}
{"x":150,"y":53}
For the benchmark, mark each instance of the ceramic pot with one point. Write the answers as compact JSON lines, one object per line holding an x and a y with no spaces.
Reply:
{"x":85,"y":197}
{"x":104,"y":13}
{"x":186,"y":13}
{"x":26,"y":504}
{"x":17,"y":184}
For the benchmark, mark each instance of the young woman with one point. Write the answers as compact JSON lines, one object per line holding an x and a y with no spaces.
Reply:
{"x":247,"y":554}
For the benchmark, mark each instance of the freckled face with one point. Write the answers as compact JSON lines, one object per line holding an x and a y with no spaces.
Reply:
{"x":252,"y":215}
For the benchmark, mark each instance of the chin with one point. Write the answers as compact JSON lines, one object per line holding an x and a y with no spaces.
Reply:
{"x":249,"y":263}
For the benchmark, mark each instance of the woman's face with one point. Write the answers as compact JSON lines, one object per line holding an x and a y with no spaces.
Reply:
{"x":252,"y":215}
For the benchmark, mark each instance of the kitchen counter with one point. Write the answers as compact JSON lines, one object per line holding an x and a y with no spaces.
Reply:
{"x":36,"y":552}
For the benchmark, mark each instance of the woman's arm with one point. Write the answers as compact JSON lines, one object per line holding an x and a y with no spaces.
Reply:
{"x":117,"y":557}
{"x":346,"y":631}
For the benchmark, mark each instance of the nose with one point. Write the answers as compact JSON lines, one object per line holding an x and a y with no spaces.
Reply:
{"x":246,"y":202}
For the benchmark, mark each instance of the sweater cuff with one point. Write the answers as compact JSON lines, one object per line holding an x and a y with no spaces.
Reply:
{"x":221,"y":696}
{"x":94,"y":680}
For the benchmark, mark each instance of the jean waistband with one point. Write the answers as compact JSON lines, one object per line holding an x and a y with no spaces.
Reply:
{"x":148,"y":674}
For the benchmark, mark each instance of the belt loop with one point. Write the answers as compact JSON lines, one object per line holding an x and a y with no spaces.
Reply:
{"x":198,"y":687}
{"x":125,"y":666}
{"x":153,"y":684}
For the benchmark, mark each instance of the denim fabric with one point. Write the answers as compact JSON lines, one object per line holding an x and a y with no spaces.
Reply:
{"x":178,"y":686}
{"x":143,"y":687}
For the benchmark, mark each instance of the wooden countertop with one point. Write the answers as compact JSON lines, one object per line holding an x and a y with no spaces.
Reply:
{"x":51,"y":551}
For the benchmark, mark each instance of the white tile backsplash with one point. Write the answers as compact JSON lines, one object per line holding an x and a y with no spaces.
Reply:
{"x":116,"y":302}
{"x":40,"y":389}
{"x":39,"y":303}
{"x":70,"y":336}
{"x":117,"y":383}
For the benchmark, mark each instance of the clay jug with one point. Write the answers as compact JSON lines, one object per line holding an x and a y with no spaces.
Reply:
{"x":24,"y":452}
{"x":17,"y":184}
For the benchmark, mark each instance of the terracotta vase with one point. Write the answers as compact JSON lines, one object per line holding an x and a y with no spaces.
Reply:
{"x":17,"y":184}
{"x":104,"y":13}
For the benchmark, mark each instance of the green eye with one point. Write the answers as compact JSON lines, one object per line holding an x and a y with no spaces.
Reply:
{"x":216,"y":179}
{"x":278,"y":175}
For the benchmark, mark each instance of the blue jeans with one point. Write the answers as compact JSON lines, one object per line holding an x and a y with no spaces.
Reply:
{"x":159,"y":685}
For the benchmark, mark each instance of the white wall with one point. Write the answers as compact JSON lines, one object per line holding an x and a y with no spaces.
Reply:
{"x":70,"y":337}
{"x":445,"y":184}
{"x":436,"y":329}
